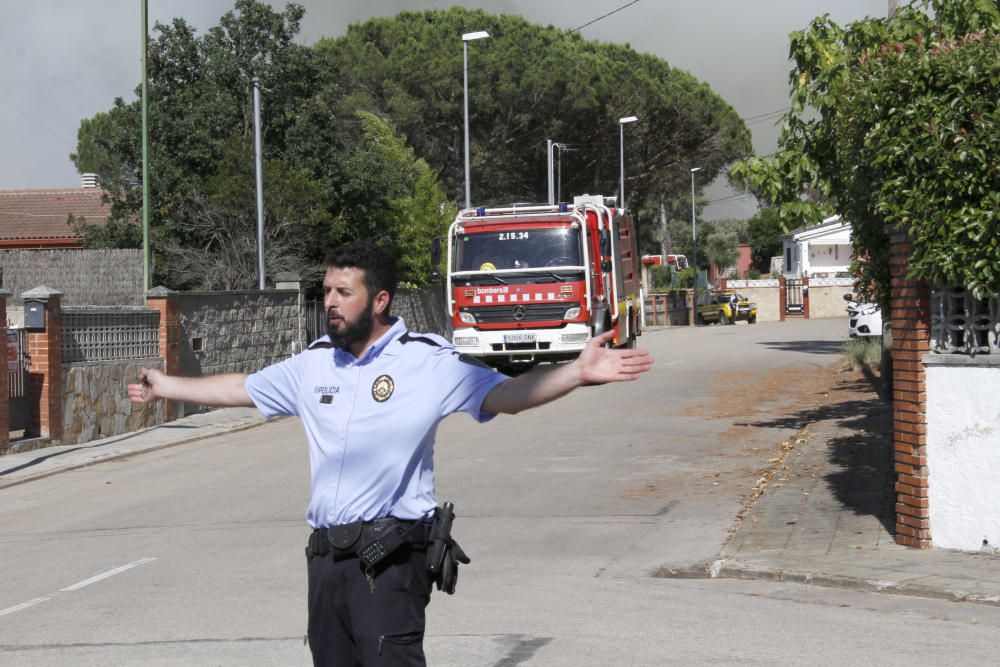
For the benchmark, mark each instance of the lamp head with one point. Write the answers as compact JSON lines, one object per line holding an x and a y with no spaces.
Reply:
{"x":696,"y":169}
{"x":628,"y":119}
{"x":470,"y":36}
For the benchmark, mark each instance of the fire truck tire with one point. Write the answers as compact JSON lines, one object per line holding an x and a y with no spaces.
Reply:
{"x":631,"y":334}
{"x":602,"y":323}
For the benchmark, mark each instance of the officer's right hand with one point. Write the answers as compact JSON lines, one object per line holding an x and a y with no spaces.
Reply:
{"x":145,"y":390}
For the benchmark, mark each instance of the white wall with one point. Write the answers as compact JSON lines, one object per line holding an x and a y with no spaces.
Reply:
{"x":963,"y":451}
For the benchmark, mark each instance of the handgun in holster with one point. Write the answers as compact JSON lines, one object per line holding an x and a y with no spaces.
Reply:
{"x":443,"y":553}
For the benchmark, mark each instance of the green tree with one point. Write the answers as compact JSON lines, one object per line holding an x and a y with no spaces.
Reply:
{"x":848,"y":87}
{"x":529,"y":83}
{"x":330,"y":175}
{"x":763,"y":234}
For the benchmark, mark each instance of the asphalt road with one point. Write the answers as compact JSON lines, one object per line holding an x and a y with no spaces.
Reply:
{"x":194,"y":554}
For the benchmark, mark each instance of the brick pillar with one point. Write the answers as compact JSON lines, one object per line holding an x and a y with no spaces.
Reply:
{"x":723,"y":283}
{"x":165,"y":301}
{"x":4,"y":377}
{"x":692,"y":311}
{"x":805,"y":297}
{"x":45,"y":363}
{"x":911,"y":338}
{"x":782,"y":298}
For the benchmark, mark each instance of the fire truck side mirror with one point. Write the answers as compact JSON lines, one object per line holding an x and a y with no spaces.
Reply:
{"x":605,"y":242}
{"x":435,"y":252}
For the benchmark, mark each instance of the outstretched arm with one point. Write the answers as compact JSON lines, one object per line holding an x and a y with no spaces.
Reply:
{"x":596,"y":364}
{"x":225,"y":390}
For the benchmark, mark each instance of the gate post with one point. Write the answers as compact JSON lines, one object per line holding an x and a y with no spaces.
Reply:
{"x":45,"y":367}
{"x":165,"y":301}
{"x":4,"y":378}
{"x":805,"y":297}
{"x":782,"y":298}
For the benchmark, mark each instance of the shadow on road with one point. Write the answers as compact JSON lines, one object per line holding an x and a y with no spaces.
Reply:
{"x":860,"y":471}
{"x":863,"y":480}
{"x":811,"y":346}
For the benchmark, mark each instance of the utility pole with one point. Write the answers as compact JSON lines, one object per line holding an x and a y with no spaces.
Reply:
{"x":893,"y":7}
{"x":145,"y":153}
{"x":259,"y":169}
{"x":549,"y":170}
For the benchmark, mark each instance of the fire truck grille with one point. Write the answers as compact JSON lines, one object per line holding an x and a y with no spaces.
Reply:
{"x":526,"y":312}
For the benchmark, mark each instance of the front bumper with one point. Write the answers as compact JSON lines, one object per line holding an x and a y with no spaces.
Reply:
{"x":566,"y":342}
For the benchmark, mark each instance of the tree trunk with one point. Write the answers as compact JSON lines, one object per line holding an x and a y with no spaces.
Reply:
{"x":666,"y":244}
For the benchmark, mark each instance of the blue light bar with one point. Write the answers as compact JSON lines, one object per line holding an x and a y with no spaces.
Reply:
{"x":563,"y":207}
{"x":481,"y":211}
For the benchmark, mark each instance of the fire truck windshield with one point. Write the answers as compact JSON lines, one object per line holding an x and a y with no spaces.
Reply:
{"x":547,"y":247}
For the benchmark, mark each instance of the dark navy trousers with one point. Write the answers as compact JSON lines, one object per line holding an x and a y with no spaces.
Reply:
{"x":357,"y":620}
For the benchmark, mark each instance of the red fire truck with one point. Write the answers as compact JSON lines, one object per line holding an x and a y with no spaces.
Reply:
{"x":531,"y":283}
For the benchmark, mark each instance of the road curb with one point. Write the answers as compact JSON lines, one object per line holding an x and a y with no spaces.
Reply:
{"x":727,"y":569}
{"x":184,"y":440}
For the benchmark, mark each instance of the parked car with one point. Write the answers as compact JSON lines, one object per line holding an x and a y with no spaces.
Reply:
{"x":864,"y":318}
{"x":717,"y":306}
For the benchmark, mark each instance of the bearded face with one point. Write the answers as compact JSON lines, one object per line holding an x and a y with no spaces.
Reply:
{"x":345,"y":332}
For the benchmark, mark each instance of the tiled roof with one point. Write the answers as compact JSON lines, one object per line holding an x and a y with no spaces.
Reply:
{"x":41,"y":214}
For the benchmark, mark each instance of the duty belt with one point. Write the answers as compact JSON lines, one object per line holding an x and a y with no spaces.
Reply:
{"x":369,"y":540}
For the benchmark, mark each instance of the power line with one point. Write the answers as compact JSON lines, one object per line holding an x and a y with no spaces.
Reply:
{"x":36,"y":122}
{"x":601,"y":18}
{"x":769,"y":113}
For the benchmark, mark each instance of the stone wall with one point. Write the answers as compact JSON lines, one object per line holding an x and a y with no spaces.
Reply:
{"x":95,"y":400}
{"x":828,"y":300}
{"x":85,"y":277}
{"x":422,"y":309}
{"x":237,"y":332}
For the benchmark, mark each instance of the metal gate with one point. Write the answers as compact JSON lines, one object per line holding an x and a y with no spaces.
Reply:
{"x":17,"y":378}
{"x":793,"y":295}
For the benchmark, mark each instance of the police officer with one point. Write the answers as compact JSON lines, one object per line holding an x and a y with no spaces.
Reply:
{"x":370,"y":395}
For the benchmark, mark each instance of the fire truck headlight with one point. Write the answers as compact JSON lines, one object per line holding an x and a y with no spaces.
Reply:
{"x":467,"y":318}
{"x":572,"y":314}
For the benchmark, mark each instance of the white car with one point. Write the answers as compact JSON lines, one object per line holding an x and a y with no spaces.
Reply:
{"x":865,"y":319}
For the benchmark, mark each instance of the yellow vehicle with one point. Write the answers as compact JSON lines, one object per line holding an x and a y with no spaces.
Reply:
{"x":718,"y":306}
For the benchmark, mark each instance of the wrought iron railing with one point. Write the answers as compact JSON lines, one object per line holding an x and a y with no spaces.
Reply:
{"x":109,"y":334}
{"x":963,"y":324}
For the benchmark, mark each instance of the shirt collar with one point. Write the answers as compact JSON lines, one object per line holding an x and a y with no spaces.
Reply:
{"x":345,"y":358}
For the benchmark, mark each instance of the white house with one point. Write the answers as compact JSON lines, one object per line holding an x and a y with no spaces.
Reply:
{"x":822,"y":251}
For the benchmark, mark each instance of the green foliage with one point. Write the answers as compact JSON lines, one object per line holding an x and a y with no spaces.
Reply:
{"x":763,"y":235}
{"x":108,"y":236}
{"x":917,"y":145}
{"x":863,"y":353}
{"x":529,"y":83}
{"x":721,"y":250}
{"x":331,"y":173}
{"x":895,"y":122}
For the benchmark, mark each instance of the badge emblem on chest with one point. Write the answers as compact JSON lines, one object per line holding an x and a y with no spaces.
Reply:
{"x":382,"y":388}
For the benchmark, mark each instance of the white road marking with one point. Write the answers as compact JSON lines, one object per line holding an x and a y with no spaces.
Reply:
{"x":77,"y":586}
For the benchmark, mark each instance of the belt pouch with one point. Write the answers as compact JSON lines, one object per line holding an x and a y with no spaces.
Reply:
{"x":345,"y":536}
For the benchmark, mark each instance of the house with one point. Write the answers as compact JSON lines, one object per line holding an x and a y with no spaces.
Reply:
{"x":36,"y":219}
{"x":821,"y":251}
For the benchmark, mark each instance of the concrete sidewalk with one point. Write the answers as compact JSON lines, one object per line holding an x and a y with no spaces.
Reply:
{"x":38,"y":463}
{"x":826,"y":514}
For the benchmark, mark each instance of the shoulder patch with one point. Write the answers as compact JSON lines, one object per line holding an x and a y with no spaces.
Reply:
{"x":469,"y":359}
{"x":409,"y":338}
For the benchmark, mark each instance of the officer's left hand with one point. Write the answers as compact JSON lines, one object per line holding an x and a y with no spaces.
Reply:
{"x":600,"y":364}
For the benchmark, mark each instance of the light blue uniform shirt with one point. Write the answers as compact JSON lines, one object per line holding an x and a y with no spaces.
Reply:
{"x":371,"y":421}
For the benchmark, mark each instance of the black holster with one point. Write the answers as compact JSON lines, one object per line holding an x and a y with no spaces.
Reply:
{"x":443,"y":552}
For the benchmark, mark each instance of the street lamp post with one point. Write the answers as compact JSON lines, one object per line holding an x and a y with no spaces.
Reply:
{"x":694,"y":244}
{"x":466,"y":38}
{"x":621,"y":153}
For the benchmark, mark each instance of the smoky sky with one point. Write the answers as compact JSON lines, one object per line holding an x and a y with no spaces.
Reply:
{"x":65,"y":60}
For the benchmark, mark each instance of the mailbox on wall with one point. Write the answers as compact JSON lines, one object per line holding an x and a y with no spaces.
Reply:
{"x":34,"y":314}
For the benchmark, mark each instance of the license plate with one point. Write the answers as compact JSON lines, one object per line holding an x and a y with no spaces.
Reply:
{"x":520,"y":338}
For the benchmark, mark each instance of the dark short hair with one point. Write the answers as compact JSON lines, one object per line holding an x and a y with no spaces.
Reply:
{"x":378,"y":264}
